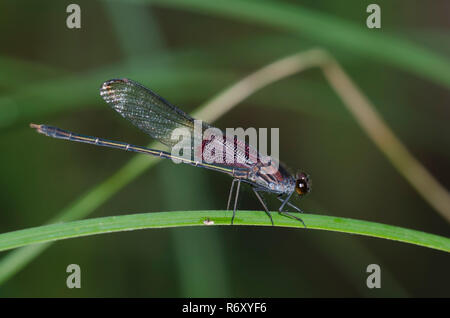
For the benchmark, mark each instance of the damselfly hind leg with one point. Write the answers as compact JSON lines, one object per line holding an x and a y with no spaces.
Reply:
{"x":231,"y":193}
{"x":235,"y":198}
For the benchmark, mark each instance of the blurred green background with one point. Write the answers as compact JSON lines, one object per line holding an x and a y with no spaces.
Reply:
{"x":188,"y":51}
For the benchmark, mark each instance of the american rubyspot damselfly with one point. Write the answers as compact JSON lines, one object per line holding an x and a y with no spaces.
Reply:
{"x":158,"y":118}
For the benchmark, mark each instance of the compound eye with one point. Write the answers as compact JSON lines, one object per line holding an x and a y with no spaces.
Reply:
{"x":302,"y":185}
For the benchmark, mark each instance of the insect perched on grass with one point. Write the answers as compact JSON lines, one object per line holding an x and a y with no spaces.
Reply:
{"x":158,"y":118}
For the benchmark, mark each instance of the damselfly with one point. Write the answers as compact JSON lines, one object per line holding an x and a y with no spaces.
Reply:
{"x":158,"y":118}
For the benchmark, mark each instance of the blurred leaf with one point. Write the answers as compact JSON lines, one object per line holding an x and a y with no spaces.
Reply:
{"x":328,"y":31}
{"x":36,"y":101}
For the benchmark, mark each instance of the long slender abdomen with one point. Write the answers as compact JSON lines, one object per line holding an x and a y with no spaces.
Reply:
{"x":59,"y":133}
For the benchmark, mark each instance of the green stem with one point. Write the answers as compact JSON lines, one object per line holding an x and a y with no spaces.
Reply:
{"x":59,"y":231}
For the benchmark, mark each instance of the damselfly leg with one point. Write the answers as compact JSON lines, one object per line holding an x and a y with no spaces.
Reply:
{"x":235,"y":197}
{"x":263,"y":204}
{"x":236,"y":200}
{"x":231,"y":193}
{"x":289,"y":204}
{"x":286,"y":201}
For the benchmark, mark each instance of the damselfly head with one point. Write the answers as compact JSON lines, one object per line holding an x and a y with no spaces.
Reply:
{"x":302,"y":184}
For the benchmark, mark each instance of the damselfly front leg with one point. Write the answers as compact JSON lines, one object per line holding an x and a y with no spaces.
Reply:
{"x":286,"y":201}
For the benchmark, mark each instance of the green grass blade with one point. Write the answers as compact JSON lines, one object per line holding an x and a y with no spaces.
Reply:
{"x":59,"y":231}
